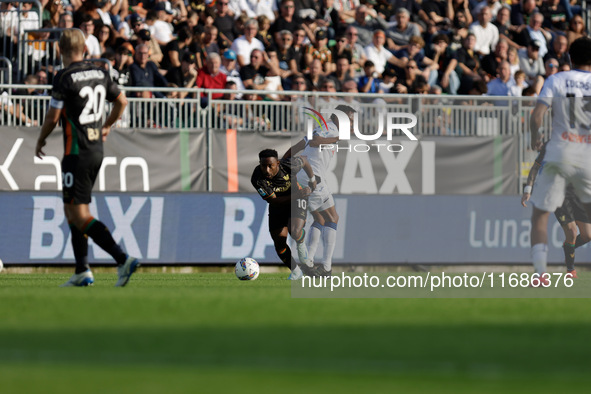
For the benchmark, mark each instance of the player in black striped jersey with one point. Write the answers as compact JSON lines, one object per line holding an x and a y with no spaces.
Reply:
{"x":78,"y":100}
{"x":275,"y":181}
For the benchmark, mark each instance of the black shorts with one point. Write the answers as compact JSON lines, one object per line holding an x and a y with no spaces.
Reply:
{"x":571,"y":210}
{"x":78,"y":175}
{"x":279,"y":216}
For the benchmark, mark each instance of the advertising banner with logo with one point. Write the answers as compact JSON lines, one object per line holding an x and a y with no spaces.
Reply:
{"x":201,"y":228}
{"x":134,"y":160}
{"x":431,"y":165}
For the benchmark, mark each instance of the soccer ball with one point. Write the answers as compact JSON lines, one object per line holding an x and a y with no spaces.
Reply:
{"x":1,"y":265}
{"x":247,"y":269}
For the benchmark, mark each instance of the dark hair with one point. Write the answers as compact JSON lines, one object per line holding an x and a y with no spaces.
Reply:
{"x":266,"y":153}
{"x":580,"y":52}
{"x":184,"y":33}
{"x":441,"y":37}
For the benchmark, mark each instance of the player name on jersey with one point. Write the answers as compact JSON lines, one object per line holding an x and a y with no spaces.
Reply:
{"x":87,"y":75}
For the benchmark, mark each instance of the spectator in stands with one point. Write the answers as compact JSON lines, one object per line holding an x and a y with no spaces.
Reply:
{"x":93,"y":49}
{"x":459,"y":29}
{"x":145,"y":37}
{"x":500,"y":86}
{"x":436,"y":12}
{"x":263,"y":35}
{"x":315,"y":77}
{"x":559,"y":50}
{"x":551,"y":67}
{"x":232,"y":116}
{"x":282,"y":56}
{"x":175,"y":49}
{"x":576,"y":29}
{"x":329,"y":19}
{"x":388,"y":81}
{"x":341,"y":49}
{"x":487,"y":34}
{"x":346,"y":9}
{"x":531,"y":62}
{"x":228,"y":67}
{"x":321,"y":52}
{"x":247,"y":43}
{"x":521,"y":12}
{"x":490,"y":63}
{"x":253,"y":75}
{"x":137,"y":24}
{"x":405,"y":81}
{"x":513,"y":59}
{"x":534,"y":32}
{"x":468,"y":68}
{"x":299,"y":48}
{"x":370,"y":81}
{"x":123,"y":59}
{"x":366,"y":22}
{"x":419,"y":85}
{"x":159,"y":29}
{"x":327,"y":102}
{"x":516,"y":88}
{"x":106,"y":38}
{"x":342,"y":73}
{"x":209,"y":42}
{"x":210,"y":77}
{"x":144,"y":72}
{"x":224,"y":21}
{"x":400,"y":34}
{"x":379,"y":55}
{"x":350,"y":86}
{"x":554,"y":16}
{"x":185,"y":75}
{"x":494,"y":5}
{"x":447,"y":62}
{"x":357,"y":49}
{"x":462,"y":6}
{"x":503,"y":24}
{"x":287,"y":20}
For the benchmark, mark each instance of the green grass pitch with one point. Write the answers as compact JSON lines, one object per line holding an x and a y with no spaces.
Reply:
{"x":210,"y":333}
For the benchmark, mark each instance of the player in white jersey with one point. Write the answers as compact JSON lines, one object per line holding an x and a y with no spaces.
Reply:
{"x":568,"y":153}
{"x":319,"y":151}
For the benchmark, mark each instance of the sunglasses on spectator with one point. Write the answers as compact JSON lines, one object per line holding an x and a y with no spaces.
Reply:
{"x":553,"y":65}
{"x":352,"y":34}
{"x":411,"y":67}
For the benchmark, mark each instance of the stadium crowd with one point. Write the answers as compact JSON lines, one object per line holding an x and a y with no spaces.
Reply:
{"x":367,"y":46}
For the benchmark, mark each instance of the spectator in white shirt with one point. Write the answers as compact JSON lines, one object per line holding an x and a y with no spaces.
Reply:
{"x":487,"y":34}
{"x":246,"y":43}
{"x":379,"y":55}
{"x":159,"y":29}
{"x":93,"y":48}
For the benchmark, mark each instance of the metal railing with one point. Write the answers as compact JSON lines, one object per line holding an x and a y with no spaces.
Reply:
{"x":453,"y":116}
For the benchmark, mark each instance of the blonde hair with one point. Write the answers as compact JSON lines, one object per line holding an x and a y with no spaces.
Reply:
{"x":513,"y":51}
{"x":72,"y":41}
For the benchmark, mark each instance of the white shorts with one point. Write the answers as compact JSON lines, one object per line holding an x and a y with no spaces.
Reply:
{"x":320,"y":199}
{"x":551,"y":182}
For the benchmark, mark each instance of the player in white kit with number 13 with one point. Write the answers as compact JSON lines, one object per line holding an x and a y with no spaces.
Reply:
{"x":568,"y":153}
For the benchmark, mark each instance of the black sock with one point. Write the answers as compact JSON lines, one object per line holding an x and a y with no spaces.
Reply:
{"x":579,"y":241}
{"x":569,"y":255}
{"x":285,"y":256}
{"x":80,"y":246}
{"x":101,"y":235}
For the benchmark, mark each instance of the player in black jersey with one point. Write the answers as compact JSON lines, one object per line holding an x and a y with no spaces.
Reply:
{"x":78,"y":99}
{"x":571,"y":216}
{"x":275,"y":182}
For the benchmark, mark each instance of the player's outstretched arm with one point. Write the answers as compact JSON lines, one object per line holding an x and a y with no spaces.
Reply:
{"x":318,"y":140}
{"x":51,"y":119}
{"x":536,"y":120}
{"x":118,"y":108}
{"x":310,"y":172}
{"x":533,"y":172}
{"x":295,"y":149}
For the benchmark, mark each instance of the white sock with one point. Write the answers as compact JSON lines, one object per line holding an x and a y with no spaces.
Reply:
{"x":314,"y":235}
{"x":329,"y":237}
{"x":539,"y":257}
